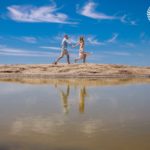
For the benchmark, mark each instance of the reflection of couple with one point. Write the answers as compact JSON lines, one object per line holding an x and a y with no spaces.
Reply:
{"x":83,"y":94}
{"x":64,"y":51}
{"x":65,"y":95}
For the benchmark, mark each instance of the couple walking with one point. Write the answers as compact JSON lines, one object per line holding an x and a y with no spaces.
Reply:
{"x":64,"y":51}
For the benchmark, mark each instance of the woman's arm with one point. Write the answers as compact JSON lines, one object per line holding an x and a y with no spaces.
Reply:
{"x":77,"y":44}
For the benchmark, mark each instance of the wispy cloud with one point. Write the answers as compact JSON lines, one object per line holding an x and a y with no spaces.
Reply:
{"x":117,"y":53}
{"x":88,"y":10}
{"x":144,"y":38}
{"x":133,"y":22}
{"x":123,"y":53}
{"x":94,"y":41}
{"x":142,"y":35}
{"x":113,"y":39}
{"x":72,"y":38}
{"x":50,"y":47}
{"x":38,"y":14}
{"x":4,"y":50}
{"x":125,"y":19}
{"x":28,"y":39}
{"x":129,"y":44}
{"x":90,"y":39}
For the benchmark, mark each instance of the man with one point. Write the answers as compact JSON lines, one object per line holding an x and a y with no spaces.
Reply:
{"x":64,"y":50}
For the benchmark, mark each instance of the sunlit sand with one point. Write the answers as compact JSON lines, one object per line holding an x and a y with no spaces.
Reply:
{"x":73,"y":71}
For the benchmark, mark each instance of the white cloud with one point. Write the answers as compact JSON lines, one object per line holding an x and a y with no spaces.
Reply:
{"x":118,"y":53}
{"x":132,"y":45}
{"x":50,"y":47}
{"x":133,"y":22}
{"x":113,"y":39}
{"x":20,"y":52}
{"x":28,"y":39}
{"x":59,"y":37}
{"x":72,"y":38}
{"x":88,"y":10}
{"x":125,"y":19}
{"x":89,"y":40}
{"x":38,"y":14}
{"x":144,"y":38}
{"x":142,"y":35}
{"x":93,"y":41}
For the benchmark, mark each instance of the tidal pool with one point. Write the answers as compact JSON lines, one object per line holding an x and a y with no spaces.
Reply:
{"x":75,"y":115}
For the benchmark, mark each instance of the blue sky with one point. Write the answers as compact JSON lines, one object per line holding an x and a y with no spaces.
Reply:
{"x":116,"y":32}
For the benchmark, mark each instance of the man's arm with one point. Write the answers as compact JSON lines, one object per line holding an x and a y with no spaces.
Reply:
{"x":69,"y":43}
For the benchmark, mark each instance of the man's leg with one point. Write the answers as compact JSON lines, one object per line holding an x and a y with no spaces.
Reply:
{"x":68,"y":59}
{"x":60,"y":57}
{"x":67,"y":55}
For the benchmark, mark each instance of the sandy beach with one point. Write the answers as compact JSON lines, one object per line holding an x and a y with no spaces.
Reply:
{"x":73,"y":71}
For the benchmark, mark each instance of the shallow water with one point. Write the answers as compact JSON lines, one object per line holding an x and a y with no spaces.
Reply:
{"x":64,"y":116}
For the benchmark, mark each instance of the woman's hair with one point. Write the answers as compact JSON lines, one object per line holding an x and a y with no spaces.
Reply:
{"x":81,"y":39}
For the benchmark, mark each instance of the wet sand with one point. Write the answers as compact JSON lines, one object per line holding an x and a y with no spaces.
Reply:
{"x":73,"y":71}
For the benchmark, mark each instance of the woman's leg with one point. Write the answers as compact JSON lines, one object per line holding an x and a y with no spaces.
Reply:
{"x":84,"y":58}
{"x":77,"y":59}
{"x":80,"y":58}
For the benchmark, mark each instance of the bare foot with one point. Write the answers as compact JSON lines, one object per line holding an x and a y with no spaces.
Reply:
{"x":55,"y":63}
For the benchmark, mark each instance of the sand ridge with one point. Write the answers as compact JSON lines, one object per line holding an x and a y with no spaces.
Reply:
{"x":73,"y":71}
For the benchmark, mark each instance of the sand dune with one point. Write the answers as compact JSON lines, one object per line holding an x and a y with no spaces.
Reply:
{"x":73,"y":71}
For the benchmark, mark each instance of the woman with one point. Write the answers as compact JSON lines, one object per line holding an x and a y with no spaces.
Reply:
{"x":82,"y":54}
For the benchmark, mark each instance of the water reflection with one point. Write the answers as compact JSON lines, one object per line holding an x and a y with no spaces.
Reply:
{"x":37,"y":124}
{"x":98,"y":117}
{"x":64,"y":96}
{"x":83,"y":94}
